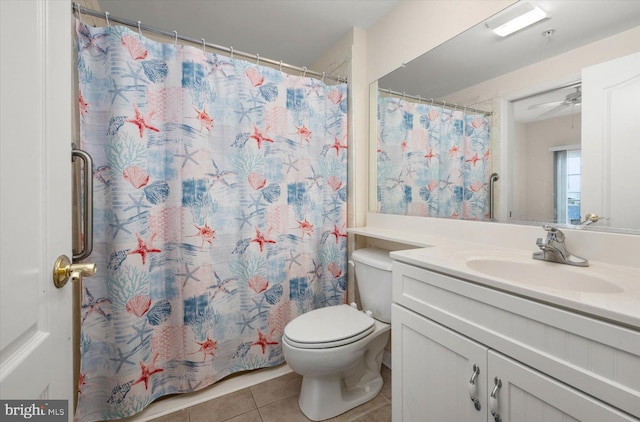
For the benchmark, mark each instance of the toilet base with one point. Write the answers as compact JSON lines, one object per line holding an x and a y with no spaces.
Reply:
{"x":326,"y":398}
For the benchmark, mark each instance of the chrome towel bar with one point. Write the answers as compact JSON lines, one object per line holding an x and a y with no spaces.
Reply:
{"x":492,"y":179}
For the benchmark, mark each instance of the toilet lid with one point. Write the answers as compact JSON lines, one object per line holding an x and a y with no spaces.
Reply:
{"x":328,"y":327}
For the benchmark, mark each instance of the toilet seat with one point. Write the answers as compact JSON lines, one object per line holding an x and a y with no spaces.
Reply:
{"x":332,"y":326}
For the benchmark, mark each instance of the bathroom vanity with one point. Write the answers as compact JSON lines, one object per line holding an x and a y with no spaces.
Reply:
{"x":488,"y":334}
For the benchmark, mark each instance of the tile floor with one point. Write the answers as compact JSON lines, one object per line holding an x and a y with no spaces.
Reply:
{"x":276,"y":400}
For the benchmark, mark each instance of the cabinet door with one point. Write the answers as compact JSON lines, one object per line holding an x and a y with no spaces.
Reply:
{"x":432,"y":367}
{"x":527,"y":395}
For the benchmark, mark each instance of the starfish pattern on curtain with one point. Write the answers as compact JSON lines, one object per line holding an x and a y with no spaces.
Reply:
{"x":219,"y":215}
{"x":432,"y":161}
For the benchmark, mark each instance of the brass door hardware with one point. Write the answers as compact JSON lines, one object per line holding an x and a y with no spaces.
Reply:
{"x":63,"y":269}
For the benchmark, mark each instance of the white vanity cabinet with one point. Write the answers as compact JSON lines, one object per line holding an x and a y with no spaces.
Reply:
{"x":553,"y":364}
{"x":432,"y":367}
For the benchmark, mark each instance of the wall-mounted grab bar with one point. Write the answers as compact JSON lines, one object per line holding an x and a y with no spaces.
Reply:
{"x":492,"y":179}
{"x":87,"y":204}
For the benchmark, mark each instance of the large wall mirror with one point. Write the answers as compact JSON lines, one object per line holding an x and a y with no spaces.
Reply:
{"x":555,"y":107}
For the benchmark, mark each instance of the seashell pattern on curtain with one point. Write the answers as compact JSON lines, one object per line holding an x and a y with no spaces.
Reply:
{"x":219,"y":215}
{"x":432,"y":161}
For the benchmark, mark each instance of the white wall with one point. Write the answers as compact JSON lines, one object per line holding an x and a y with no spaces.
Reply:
{"x":518,"y":198}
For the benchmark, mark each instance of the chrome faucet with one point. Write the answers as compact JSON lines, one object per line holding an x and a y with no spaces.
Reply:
{"x":553,"y":249}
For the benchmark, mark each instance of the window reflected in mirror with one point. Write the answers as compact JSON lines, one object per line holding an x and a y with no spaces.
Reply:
{"x":567,"y":185}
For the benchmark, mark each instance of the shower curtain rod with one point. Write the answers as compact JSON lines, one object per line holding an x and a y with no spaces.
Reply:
{"x":436,"y":102}
{"x":174,"y":35}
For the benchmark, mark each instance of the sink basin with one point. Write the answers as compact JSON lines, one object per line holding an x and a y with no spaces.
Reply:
{"x":543,"y":274}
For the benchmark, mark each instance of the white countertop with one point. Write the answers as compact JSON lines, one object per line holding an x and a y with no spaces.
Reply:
{"x":617,"y":299}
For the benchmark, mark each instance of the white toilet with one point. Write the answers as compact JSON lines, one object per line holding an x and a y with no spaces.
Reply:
{"x":338,"y":349}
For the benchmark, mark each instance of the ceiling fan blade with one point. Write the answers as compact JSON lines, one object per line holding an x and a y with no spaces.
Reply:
{"x":553,"y":111}
{"x":547,"y":104}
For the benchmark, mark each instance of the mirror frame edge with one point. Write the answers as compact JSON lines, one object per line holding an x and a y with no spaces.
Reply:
{"x":373,"y":142}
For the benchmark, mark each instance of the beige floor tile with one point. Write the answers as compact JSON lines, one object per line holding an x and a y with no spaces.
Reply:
{"x":379,"y":414}
{"x":224,"y":407}
{"x":276,"y":389}
{"x":277,"y":401}
{"x":386,"y":388}
{"x":285,"y":410}
{"x":252,"y":416}
{"x":377,"y":401}
{"x":181,"y":416}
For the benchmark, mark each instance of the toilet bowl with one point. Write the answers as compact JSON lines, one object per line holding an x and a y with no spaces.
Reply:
{"x":338,"y":349}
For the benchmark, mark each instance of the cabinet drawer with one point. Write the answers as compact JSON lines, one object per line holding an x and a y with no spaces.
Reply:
{"x":596,"y":357}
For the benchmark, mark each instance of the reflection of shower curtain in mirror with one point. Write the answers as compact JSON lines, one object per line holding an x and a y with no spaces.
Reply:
{"x":432,"y":161}
{"x":220,"y":214}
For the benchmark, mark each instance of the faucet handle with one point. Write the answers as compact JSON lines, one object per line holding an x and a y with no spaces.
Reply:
{"x":554,"y":233}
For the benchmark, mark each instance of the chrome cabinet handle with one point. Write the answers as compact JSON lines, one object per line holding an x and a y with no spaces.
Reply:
{"x":473,"y":387}
{"x":87,"y":204}
{"x":493,"y":400}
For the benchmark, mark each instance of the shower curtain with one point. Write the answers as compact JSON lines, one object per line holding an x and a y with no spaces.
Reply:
{"x":432,"y":161}
{"x":219,"y":214}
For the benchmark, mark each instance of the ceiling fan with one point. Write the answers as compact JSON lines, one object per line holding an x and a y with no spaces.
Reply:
{"x":572,"y":99}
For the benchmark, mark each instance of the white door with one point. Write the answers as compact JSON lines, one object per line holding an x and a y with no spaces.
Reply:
{"x":432,"y":370}
{"x":610,"y":128}
{"x":526,"y":395}
{"x":35,"y":199}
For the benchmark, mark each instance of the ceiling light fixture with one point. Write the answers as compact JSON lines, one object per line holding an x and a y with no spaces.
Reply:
{"x":520,"y":16}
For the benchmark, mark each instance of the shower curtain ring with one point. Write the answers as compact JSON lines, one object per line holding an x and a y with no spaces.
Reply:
{"x":106,"y":17}
{"x":204,"y":50}
{"x":322,"y":80}
{"x":403,"y":94}
{"x":231,"y":48}
{"x":304,"y":71}
{"x":257,"y":59}
{"x":76,"y":10}
{"x":419,"y":99}
{"x":431,"y":102}
{"x":139,"y":30}
{"x":175,"y":39}
{"x":280,"y":65}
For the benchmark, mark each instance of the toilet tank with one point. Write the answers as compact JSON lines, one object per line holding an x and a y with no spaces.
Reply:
{"x":373,"y":278}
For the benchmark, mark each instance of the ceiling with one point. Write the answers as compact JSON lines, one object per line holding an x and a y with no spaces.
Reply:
{"x":297,"y":32}
{"x":477,"y":54}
